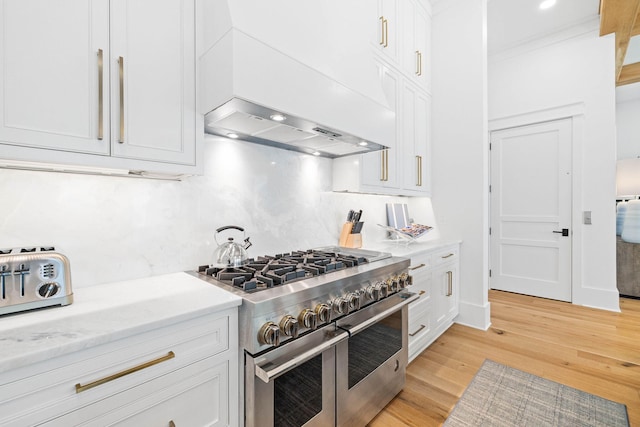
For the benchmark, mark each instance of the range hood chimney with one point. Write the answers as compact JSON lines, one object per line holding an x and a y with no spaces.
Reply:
{"x":254,"y":92}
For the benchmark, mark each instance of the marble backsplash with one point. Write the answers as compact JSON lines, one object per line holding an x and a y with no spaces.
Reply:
{"x":114,"y":228}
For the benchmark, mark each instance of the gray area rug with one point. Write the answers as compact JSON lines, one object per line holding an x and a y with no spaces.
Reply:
{"x":502,"y":396}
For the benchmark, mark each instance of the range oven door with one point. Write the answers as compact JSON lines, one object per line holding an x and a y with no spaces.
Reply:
{"x":371,"y":364}
{"x":293,"y":385}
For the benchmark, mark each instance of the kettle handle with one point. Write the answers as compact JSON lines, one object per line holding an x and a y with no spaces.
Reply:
{"x":226,"y":227}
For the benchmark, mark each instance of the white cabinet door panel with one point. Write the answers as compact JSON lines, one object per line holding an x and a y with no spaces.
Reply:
{"x":155,"y":39}
{"x":49,"y":73}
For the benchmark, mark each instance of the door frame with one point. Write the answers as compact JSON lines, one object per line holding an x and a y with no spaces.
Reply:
{"x":576,"y":113}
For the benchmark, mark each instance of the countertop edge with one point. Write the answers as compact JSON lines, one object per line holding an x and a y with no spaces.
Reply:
{"x":100,"y":315}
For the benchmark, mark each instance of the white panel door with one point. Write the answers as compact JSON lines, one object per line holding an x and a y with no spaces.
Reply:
{"x":153,"y":86}
{"x":50,"y":74}
{"x":530,"y":208}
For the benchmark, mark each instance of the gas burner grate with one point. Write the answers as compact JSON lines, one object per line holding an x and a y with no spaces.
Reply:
{"x":268,"y":271}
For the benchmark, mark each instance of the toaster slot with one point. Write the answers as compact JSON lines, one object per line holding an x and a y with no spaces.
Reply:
{"x":4,"y":272}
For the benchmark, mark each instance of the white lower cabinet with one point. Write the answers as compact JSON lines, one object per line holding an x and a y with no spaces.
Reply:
{"x":185,"y":374}
{"x":435,"y":279}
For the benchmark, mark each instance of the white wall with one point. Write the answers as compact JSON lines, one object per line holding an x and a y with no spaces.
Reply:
{"x":628,"y":128}
{"x":578,"y":73}
{"x":120,"y":228}
{"x":460,"y":145}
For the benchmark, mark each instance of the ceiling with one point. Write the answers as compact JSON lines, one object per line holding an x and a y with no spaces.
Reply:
{"x":511,"y":23}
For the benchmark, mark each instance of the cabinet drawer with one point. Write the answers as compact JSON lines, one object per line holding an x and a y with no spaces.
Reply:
{"x":422,"y":285}
{"x":419,"y":319}
{"x":52,"y":388}
{"x":445,"y":255}
{"x":192,"y":396}
{"x":420,"y":263}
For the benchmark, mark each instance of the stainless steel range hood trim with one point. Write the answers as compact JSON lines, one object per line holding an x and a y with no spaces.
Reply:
{"x":240,"y":69}
{"x":346,"y":144}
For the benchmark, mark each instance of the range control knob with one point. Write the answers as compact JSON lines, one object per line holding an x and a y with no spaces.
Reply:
{"x":372,"y":292}
{"x":383,"y":291}
{"x":354,"y":301}
{"x":323,"y":311}
{"x":269,"y":334}
{"x":402,"y":281}
{"x":308,"y":319}
{"x":289,"y":326}
{"x":341,"y":305}
{"x":392,"y":284}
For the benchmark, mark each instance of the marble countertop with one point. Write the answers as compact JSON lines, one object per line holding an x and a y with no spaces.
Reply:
{"x":104,"y":313}
{"x":403,"y":249}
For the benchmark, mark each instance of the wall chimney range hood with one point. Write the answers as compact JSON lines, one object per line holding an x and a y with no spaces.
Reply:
{"x":254,"y":92}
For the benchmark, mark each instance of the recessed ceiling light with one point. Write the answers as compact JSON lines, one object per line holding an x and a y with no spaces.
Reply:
{"x":278,"y":117}
{"x":546,"y":4}
{"x":232,"y":135}
{"x":316,"y":153}
{"x":363,"y":143}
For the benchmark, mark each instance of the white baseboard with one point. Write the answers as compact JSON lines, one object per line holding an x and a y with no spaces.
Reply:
{"x":474,"y":315}
{"x":604,"y":299}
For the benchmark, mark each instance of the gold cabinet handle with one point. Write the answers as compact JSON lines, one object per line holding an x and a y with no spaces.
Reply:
{"x":100,"y":95}
{"x":172,"y":424}
{"x":419,"y":170}
{"x":447,"y":256}
{"x":384,"y":32}
{"x":450,"y":283}
{"x":422,"y":292}
{"x":417,"y":266}
{"x":121,"y":79}
{"x":419,"y":329}
{"x":418,"y":63}
{"x":386,"y":165}
{"x":80,"y":388}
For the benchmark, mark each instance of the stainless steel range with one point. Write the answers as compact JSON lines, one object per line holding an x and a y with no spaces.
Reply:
{"x":324,"y":333}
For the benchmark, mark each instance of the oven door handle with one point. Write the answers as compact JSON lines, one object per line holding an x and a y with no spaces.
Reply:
{"x":407,"y":298}
{"x":272,"y":370}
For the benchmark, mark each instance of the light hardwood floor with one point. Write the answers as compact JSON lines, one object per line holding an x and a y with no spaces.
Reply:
{"x":592,"y":350}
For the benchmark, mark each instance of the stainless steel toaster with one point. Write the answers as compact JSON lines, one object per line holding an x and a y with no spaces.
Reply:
{"x":33,"y":277}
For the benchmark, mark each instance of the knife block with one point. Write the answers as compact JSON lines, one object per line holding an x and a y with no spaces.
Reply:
{"x":348,"y":239}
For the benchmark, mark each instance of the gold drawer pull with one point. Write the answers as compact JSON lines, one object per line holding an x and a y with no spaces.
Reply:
{"x":422,"y":292}
{"x":419,"y":329}
{"x":121,"y":81}
{"x":417,"y":267}
{"x":172,"y":424}
{"x":448,"y":256}
{"x":449,"y":283}
{"x":100,"y":94}
{"x":81,"y":388}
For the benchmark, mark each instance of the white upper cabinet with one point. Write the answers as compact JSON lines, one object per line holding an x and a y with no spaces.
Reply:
{"x":153,"y":80}
{"x":386,"y":27}
{"x":50,"y":74}
{"x":68,"y":98}
{"x":415,"y":122}
{"x":416,"y":44}
{"x":401,"y":41}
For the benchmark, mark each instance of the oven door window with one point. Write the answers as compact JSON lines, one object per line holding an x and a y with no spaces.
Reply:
{"x":298,"y":394}
{"x":373,"y":346}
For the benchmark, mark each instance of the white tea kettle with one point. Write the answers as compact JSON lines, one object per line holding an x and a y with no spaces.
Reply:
{"x":230,"y":253}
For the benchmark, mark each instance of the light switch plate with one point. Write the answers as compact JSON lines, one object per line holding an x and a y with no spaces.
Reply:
{"x":586,"y":217}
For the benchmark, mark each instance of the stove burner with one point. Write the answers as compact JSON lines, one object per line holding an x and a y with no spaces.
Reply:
{"x":269,"y":271}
